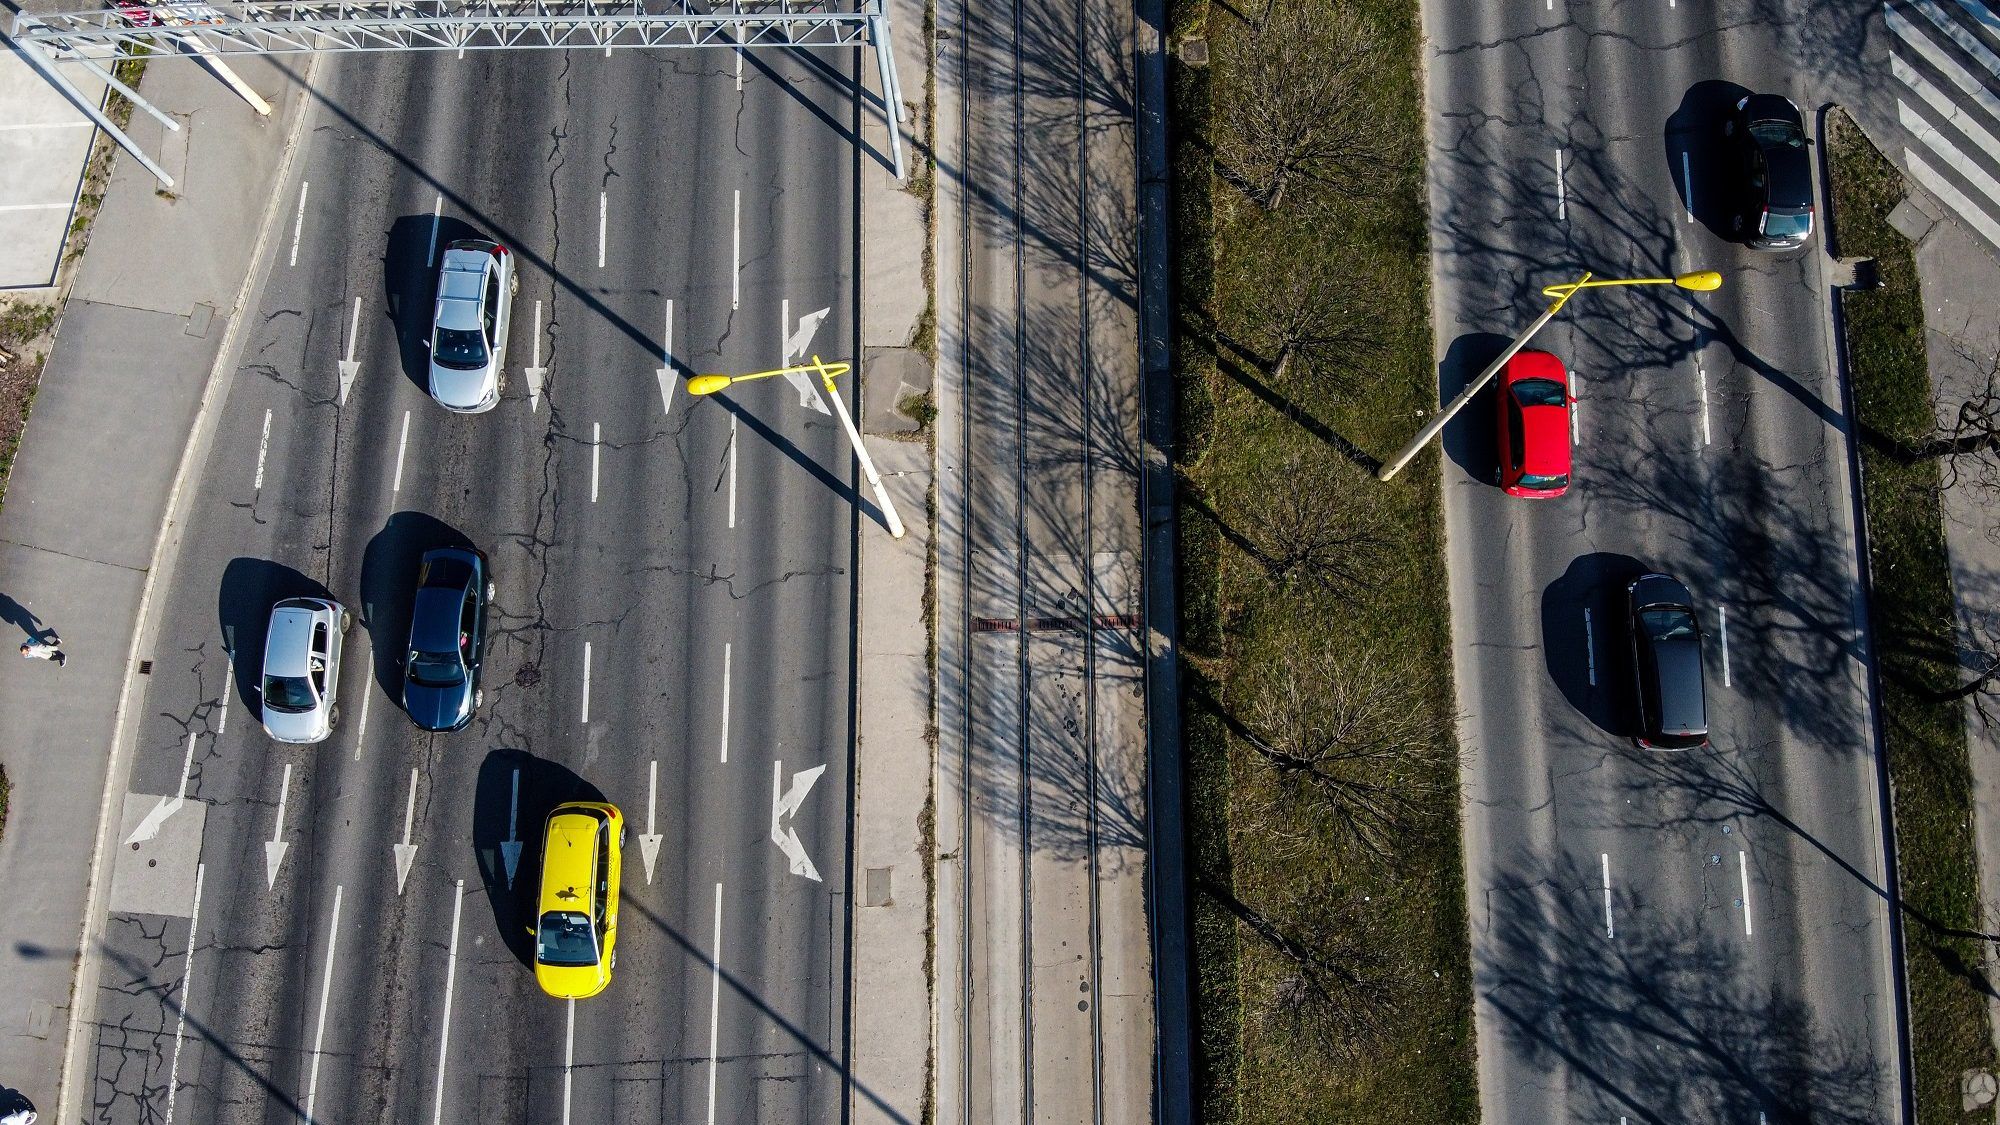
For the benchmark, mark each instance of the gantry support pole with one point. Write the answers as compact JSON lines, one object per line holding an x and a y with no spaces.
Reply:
{"x":38,"y":59}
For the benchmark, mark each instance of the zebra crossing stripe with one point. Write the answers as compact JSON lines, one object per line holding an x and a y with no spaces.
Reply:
{"x":1948,"y":193}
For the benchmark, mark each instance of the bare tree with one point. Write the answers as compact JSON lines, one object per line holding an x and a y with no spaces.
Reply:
{"x":1331,"y":990}
{"x":1294,"y":104}
{"x":1304,"y":526}
{"x":1359,"y":734}
{"x":1318,"y":314}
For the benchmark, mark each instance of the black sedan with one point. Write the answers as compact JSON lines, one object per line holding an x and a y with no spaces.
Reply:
{"x":1770,"y":137}
{"x":1666,"y":656}
{"x":447,"y":636}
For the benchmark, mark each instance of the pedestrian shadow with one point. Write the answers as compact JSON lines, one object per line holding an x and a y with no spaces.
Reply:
{"x":14,"y":613}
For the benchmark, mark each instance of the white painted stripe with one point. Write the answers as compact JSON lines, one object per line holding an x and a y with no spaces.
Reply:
{"x":1743,"y":874}
{"x":586,"y":681}
{"x":34,"y":207}
{"x":48,"y":125}
{"x":1701,"y":377}
{"x":437,"y":216}
{"x":1575,"y":413}
{"x":1947,"y":192}
{"x":1562,"y":194}
{"x":603,"y":202}
{"x":444,"y":1023}
{"x":569,"y":1059}
{"x":402,"y":447}
{"x":325,"y":994}
{"x":732,"y":472}
{"x":263,"y":450}
{"x":1971,"y":44}
{"x":1610,"y":931}
{"x":361,"y":727}
{"x":1967,"y":82}
{"x":1943,"y":147}
{"x":187,"y":767}
{"x":714,"y":999}
{"x":1687,"y":186}
{"x":299,"y":223}
{"x":1722,"y":612}
{"x":187,"y":982}
{"x":728,"y":652}
{"x":222,"y":702}
{"x":1590,"y":646}
{"x":1982,"y":13}
{"x":596,"y":448}
{"x":736,"y":253}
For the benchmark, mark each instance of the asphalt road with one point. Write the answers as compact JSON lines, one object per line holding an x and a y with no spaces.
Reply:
{"x":672,"y":629}
{"x":1656,"y":937}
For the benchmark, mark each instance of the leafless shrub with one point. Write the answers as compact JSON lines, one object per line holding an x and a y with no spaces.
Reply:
{"x":1331,"y":988}
{"x":1315,"y":317}
{"x":1303,"y":525}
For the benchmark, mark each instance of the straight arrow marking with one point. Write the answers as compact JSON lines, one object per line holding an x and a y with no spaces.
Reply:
{"x":274,"y":848}
{"x":649,"y":840}
{"x":510,"y":849}
{"x":536,"y":372}
{"x":665,"y":372}
{"x":406,"y":852}
{"x":349,"y":367}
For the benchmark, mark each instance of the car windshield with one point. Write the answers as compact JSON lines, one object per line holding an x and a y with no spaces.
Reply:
{"x":290,"y":694}
{"x":1539,"y":480}
{"x":1663,"y":622}
{"x":436,"y":669}
{"x":565,"y":938}
{"x":1539,"y":392}
{"x":459,"y":348}
{"x":1780,"y":224}
{"x":1778,"y":134}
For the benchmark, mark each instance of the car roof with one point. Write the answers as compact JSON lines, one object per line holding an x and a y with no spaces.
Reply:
{"x":434,"y":619}
{"x":447,"y":566}
{"x":460,"y":284}
{"x":1545,"y":440}
{"x":569,"y":857}
{"x":289,"y":640}
{"x":1677,"y":661}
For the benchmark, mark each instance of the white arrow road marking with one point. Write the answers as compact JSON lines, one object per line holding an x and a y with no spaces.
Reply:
{"x":325,"y":994}
{"x":274,"y":848}
{"x":649,"y":840}
{"x":444,"y":1025}
{"x":168,"y":806}
{"x":665,"y":372}
{"x":350,"y":367}
{"x":510,"y":848}
{"x":788,"y":805}
{"x":406,"y":852}
{"x":796,"y":343}
{"x":536,"y":372}
{"x":187,"y":986}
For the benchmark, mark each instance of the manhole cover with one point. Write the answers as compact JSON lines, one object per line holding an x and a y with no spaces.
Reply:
{"x":528,"y":676}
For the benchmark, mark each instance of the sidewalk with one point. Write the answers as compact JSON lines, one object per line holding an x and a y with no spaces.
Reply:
{"x":892,"y":1005}
{"x":142,"y":346}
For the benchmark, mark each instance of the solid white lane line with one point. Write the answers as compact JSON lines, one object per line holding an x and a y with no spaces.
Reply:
{"x":732,"y":472}
{"x":1562,"y":193}
{"x":1610,"y":931}
{"x":325,"y":994}
{"x":402,"y":446}
{"x":361,"y":727}
{"x":586,"y":681}
{"x":1723,"y":613}
{"x":444,"y":1024}
{"x":187,"y":767}
{"x":596,"y":448}
{"x":1575,"y":413}
{"x":1590,"y":646}
{"x":714,"y":998}
{"x":603,"y":201}
{"x":1701,"y":377}
{"x":187,"y":985}
{"x":263,"y":450}
{"x":299,"y":223}
{"x":1687,"y":186}
{"x":736,"y":254}
{"x":437,"y":216}
{"x":1743,"y":875}
{"x":569,"y":1058}
{"x":727,"y":652}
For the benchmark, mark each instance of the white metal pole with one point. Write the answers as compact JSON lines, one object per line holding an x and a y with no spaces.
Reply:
{"x":1438,"y":421}
{"x":38,"y":59}
{"x":878,"y":30}
{"x":223,"y":71}
{"x":861,"y":451}
{"x":111,"y":79}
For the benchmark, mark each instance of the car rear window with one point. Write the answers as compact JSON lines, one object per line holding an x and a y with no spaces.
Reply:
{"x":1539,"y":480}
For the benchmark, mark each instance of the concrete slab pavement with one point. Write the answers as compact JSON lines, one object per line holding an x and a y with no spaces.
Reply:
{"x":44,"y":145}
{"x":87,"y":528}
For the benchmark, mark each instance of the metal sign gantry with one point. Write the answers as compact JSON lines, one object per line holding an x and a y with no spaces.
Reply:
{"x":131,"y":29}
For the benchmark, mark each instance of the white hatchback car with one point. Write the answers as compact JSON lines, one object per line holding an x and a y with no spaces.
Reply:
{"x":475,"y":303}
{"x":302,"y":669}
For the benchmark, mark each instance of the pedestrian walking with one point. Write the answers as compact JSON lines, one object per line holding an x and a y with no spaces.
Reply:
{"x":38,"y":648}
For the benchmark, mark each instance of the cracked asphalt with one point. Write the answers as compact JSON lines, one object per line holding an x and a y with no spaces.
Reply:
{"x":1655,"y":937}
{"x":652,"y":545}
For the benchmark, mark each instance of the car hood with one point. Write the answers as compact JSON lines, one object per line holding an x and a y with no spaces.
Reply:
{"x":438,"y":708}
{"x":307,"y":726}
{"x":462,"y":390}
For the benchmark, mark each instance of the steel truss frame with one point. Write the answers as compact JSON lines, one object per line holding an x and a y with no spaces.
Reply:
{"x":133,"y":29}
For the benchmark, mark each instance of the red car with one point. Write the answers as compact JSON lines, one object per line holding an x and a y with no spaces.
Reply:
{"x":1534,"y":426}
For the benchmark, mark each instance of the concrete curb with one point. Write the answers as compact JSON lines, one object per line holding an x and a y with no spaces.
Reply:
{"x":165,"y":556}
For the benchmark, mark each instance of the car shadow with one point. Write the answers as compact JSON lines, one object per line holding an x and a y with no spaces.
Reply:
{"x":389,"y":586}
{"x":409,"y":284}
{"x":1471,"y":440}
{"x":1702,"y":160}
{"x":511,"y":802}
{"x":1592,"y":664}
{"x":243,"y":601}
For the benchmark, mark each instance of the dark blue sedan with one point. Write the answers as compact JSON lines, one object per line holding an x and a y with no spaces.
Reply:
{"x":447,"y":635}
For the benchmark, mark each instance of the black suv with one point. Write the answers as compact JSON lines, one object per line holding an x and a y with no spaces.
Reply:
{"x":1666,"y":657}
{"x":1770,"y":138}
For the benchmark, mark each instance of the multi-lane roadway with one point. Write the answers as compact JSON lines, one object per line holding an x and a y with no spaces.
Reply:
{"x":1656,"y":937}
{"x":671,"y":631}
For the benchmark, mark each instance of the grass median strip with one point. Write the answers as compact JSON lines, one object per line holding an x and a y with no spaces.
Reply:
{"x":1330,"y":933}
{"x":1911,"y":609}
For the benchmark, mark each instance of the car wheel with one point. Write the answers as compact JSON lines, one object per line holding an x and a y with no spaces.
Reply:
{"x":1736,"y":224}
{"x":333,"y":716}
{"x":478,"y":697}
{"x":614,"y":960}
{"x":489,"y":591}
{"x":346,"y":622}
{"x":513,"y":284}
